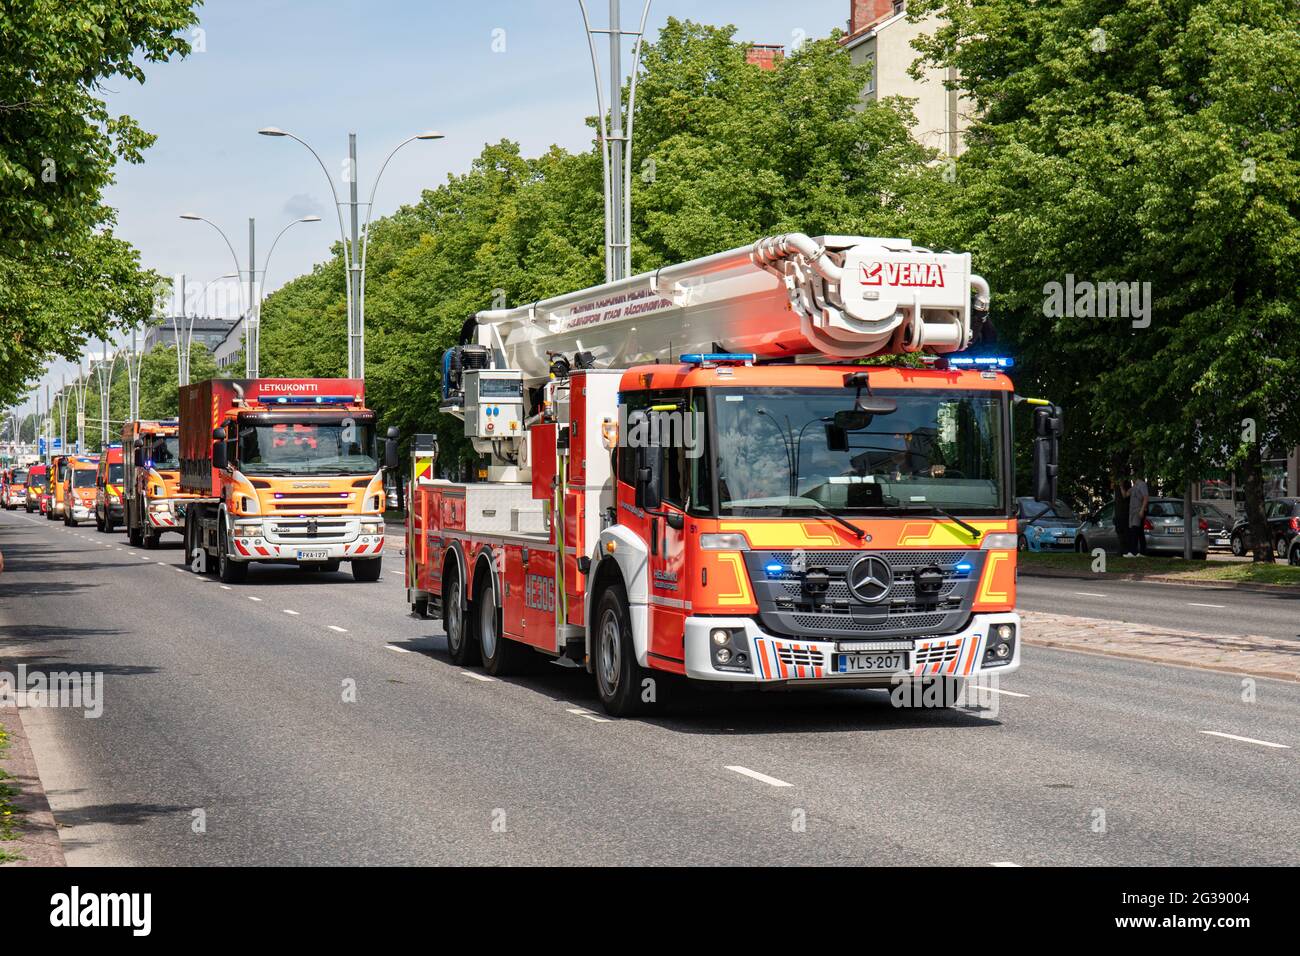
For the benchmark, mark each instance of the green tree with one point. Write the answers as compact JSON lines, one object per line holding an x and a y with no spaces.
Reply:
{"x":63,"y":275}
{"x":1140,"y":143}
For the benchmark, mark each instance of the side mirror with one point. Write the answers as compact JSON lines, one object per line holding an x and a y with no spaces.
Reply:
{"x":137,"y":454}
{"x":390,"y":447}
{"x":647,"y":479}
{"x":1048,"y":427}
{"x":219,"y":459}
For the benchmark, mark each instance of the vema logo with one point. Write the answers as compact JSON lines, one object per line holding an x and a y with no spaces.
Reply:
{"x":75,"y":909}
{"x":921,"y":275}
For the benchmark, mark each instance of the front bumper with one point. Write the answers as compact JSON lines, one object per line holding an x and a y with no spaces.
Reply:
{"x":83,"y":512}
{"x":287,"y":541}
{"x":780,"y":660}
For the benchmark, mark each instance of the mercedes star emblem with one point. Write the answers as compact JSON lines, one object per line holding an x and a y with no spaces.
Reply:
{"x":870,"y":578}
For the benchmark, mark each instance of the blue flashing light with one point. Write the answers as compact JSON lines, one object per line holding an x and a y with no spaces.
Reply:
{"x":980,"y":361}
{"x":312,"y":399}
{"x":704,"y":358}
{"x":774,"y":568}
{"x":964,"y":568}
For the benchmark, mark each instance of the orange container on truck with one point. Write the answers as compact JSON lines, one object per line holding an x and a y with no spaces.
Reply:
{"x":153,"y":503}
{"x":283,"y":471}
{"x":79,"y":489}
{"x":691,"y":476}
{"x":108,"y":489}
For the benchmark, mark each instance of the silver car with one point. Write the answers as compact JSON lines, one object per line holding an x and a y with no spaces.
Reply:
{"x":1162,"y":531}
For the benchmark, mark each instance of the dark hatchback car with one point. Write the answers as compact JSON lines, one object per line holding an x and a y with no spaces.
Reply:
{"x":1218,"y":524}
{"x":1283,"y":518}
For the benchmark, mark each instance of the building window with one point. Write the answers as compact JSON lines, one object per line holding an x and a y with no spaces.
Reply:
{"x":898,"y":7}
{"x":871,"y":77}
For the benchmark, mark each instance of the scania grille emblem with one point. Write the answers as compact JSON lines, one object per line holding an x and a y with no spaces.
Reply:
{"x":870,"y":578}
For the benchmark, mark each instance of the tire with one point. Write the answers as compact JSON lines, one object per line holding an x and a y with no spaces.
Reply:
{"x":1238,"y":546}
{"x":1021,"y":543}
{"x":501,"y":656}
{"x":133,"y":536}
{"x":148,"y":539}
{"x":1279,"y":548}
{"x":1293,"y":556}
{"x":420,"y":608}
{"x":367,"y":570}
{"x":462,"y":647}
{"x":109,"y":524}
{"x":99,"y":522}
{"x":230,"y":572}
{"x":620,"y":680}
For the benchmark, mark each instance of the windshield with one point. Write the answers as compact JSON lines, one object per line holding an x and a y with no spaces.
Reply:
{"x":38,"y":481}
{"x":307,"y":449}
{"x":783,"y":451}
{"x":20,"y":477}
{"x":163,"y":452}
{"x":83,"y":478}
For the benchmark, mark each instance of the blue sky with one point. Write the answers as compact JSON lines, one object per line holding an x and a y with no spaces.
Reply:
{"x":385,"y":69}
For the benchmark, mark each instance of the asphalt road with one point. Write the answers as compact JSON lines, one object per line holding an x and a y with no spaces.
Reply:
{"x":1207,"y":610}
{"x":231,"y":702}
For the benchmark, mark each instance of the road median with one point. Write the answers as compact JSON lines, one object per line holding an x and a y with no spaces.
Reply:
{"x":1249,"y":654}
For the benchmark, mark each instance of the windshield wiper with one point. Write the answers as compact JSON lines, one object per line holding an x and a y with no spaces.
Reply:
{"x":831,"y":514}
{"x":973,"y":531}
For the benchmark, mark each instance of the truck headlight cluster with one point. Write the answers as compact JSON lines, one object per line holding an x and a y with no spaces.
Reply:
{"x":730,"y":649}
{"x":1001,"y":645}
{"x":372,"y":527}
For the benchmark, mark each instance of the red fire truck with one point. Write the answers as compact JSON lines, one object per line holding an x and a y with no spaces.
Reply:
{"x":689,"y":472}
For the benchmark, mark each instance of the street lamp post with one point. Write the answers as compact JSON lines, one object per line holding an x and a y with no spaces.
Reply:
{"x":354,"y":250}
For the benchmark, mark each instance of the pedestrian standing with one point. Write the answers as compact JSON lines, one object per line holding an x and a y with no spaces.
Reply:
{"x":1122,"y":488}
{"x":1138,"y":498}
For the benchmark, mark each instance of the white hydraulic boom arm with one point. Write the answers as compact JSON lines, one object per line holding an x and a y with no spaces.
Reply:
{"x":841,"y":297}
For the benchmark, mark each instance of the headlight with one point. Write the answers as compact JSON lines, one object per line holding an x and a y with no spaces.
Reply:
{"x":734,"y":541}
{"x":720,"y":637}
{"x":372,"y":527}
{"x":161,"y":505}
{"x":998,"y":541}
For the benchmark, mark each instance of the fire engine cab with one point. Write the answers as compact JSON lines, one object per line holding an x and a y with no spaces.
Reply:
{"x":690,"y":474}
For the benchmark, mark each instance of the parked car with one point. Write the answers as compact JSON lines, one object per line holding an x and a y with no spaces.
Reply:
{"x":1043,"y":528}
{"x":1283,"y":518}
{"x":1162,"y":531}
{"x":1219,"y":524}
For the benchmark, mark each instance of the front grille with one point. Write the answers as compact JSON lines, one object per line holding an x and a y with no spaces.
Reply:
{"x":326,"y":530}
{"x":800,"y":657}
{"x":788,"y":607}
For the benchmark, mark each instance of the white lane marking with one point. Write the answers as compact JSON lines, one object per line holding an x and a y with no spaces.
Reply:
{"x":398,"y":573}
{"x":144,"y":557}
{"x":1247,"y":740}
{"x":226,"y":587}
{"x":251,"y":598}
{"x":1089,"y":594}
{"x":335,"y":627}
{"x":1004,"y":863}
{"x":163,"y":563}
{"x":589,"y":715}
{"x":1194,"y":604}
{"x":483,"y":677}
{"x":400,"y":650}
{"x":997,"y":690}
{"x":180,"y":570}
{"x":131,"y":553}
{"x":746,"y":772}
{"x":287,"y":611}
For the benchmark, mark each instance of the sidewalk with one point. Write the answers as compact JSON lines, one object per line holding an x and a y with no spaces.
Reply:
{"x":38,"y":842}
{"x":1250,"y":655}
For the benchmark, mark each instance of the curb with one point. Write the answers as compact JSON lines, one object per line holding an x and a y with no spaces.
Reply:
{"x":1162,"y":579}
{"x":39,"y":842}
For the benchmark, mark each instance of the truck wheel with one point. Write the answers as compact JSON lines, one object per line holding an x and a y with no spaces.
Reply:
{"x":99,"y":522}
{"x":461,"y":646}
{"x":626,"y":688}
{"x":501,"y":656}
{"x":133,"y":536}
{"x":109,"y":524}
{"x":148,"y":540}
{"x":367,"y":570}
{"x":230,"y":572}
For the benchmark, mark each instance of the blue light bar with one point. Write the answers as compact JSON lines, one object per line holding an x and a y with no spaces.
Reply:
{"x":311,"y":399}
{"x":964,"y":568}
{"x":773,"y":568}
{"x":700,"y":358}
{"x":980,"y":361}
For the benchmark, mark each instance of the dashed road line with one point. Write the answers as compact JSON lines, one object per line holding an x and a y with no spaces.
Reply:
{"x":480,"y":677}
{"x":1247,"y":740}
{"x":251,"y":598}
{"x":294,"y":613}
{"x":1089,"y":594}
{"x":589,"y":715}
{"x":1194,"y":604}
{"x":1004,"y":863}
{"x":762,"y":777}
{"x":335,"y":627}
{"x":400,"y":650}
